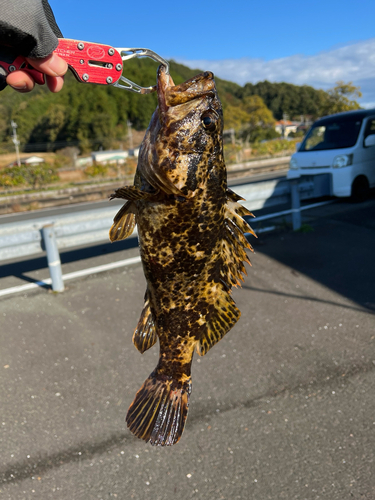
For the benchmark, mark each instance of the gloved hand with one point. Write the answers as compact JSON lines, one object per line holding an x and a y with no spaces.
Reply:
{"x":29,"y":28}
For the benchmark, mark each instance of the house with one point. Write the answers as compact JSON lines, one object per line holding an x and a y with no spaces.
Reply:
{"x":285,"y":127}
{"x":84,"y":161}
{"x":110,"y":156}
{"x":30,"y":160}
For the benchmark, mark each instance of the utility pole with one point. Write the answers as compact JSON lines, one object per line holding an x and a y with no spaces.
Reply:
{"x":16,"y":142}
{"x":232,"y":137}
{"x":285,"y":118}
{"x":130,"y":134}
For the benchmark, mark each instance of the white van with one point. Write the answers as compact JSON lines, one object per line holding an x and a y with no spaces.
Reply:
{"x":343,"y":146}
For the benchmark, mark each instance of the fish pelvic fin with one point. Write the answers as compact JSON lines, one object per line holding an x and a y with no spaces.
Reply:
{"x":144,"y":335}
{"x":123,"y":223}
{"x":159,"y":410}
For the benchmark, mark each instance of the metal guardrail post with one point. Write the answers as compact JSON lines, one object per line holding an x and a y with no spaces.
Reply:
{"x":53,"y":258}
{"x":296,"y":205}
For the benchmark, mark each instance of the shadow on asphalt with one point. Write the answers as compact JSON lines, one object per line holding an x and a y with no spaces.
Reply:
{"x":18,"y":269}
{"x":80,"y":453}
{"x":336,"y":250}
{"x":299,"y":297}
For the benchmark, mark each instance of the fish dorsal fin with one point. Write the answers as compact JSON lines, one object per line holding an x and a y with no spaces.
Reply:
{"x":144,"y":335}
{"x":234,"y":243}
{"x":231,"y":195}
{"x":123,"y":223}
{"x":230,"y":266}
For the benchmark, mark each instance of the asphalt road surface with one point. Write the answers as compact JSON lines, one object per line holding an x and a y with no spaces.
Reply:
{"x":282,"y":408}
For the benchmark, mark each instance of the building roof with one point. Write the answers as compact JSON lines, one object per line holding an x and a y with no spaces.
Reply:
{"x":32,"y":159}
{"x":287,"y":123}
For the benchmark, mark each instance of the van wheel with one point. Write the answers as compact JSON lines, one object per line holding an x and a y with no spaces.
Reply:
{"x":360,"y":189}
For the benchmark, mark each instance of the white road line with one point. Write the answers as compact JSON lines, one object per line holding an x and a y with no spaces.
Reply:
{"x":70,"y":276}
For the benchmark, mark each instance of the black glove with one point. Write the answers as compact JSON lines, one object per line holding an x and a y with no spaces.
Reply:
{"x":27,"y":28}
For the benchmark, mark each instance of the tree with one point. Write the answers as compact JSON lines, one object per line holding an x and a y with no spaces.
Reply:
{"x":235,"y":117}
{"x":260,"y":118}
{"x":50,"y":124}
{"x":287,"y":98}
{"x":252,"y":119}
{"x":340,"y":98}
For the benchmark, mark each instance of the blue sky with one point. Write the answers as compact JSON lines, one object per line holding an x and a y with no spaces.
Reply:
{"x":316,"y":42}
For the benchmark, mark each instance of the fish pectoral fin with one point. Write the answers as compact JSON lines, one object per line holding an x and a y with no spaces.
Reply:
{"x":123,"y":223}
{"x":144,"y":335}
{"x":224,"y":316}
{"x":158,"y":179}
{"x":159,"y":410}
{"x":133,"y":193}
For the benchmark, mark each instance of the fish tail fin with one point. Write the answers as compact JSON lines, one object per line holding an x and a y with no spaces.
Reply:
{"x":159,"y":410}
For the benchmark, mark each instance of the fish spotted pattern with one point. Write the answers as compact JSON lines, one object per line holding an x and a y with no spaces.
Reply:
{"x":192,"y":245}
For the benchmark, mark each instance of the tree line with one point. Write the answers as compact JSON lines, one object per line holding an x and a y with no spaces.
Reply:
{"x":296,"y":100}
{"x":94,"y":116}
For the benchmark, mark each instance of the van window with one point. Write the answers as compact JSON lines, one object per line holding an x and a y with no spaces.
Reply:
{"x":370,"y":128}
{"x":333,"y":134}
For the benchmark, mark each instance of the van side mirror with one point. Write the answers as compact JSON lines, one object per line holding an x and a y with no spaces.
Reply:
{"x":297,"y":145}
{"x":369,"y":141}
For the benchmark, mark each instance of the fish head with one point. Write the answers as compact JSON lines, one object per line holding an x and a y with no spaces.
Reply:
{"x":190,"y":114}
{"x":185,"y":134}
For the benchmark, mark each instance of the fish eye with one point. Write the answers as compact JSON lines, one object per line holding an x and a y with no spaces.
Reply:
{"x":209,"y":120}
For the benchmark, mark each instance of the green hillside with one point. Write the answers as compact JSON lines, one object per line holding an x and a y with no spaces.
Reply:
{"x":94,"y":116}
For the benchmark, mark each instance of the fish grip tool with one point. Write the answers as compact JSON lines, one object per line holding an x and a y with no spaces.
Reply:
{"x":131,"y":53}
{"x":91,"y":63}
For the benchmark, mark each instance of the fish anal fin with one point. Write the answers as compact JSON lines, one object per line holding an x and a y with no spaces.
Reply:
{"x":123,"y":223}
{"x":144,"y":335}
{"x":224,"y":316}
{"x":159,"y":410}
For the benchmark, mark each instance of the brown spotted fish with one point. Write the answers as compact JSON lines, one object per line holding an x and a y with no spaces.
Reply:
{"x":192,"y":245}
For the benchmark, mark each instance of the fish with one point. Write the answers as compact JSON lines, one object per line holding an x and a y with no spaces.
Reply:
{"x":192,"y":244}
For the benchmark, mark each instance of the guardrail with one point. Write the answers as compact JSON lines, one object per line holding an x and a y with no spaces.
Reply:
{"x":259,"y":166}
{"x":102,"y":189}
{"x":51,"y":234}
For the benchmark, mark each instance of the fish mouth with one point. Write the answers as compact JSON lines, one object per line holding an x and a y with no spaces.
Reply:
{"x":169,"y":94}
{"x":164,"y":82}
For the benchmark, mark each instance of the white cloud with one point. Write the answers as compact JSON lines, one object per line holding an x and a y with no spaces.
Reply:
{"x":354,"y":62}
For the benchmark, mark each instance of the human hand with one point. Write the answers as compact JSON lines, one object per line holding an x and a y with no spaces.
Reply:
{"x":53,"y":67}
